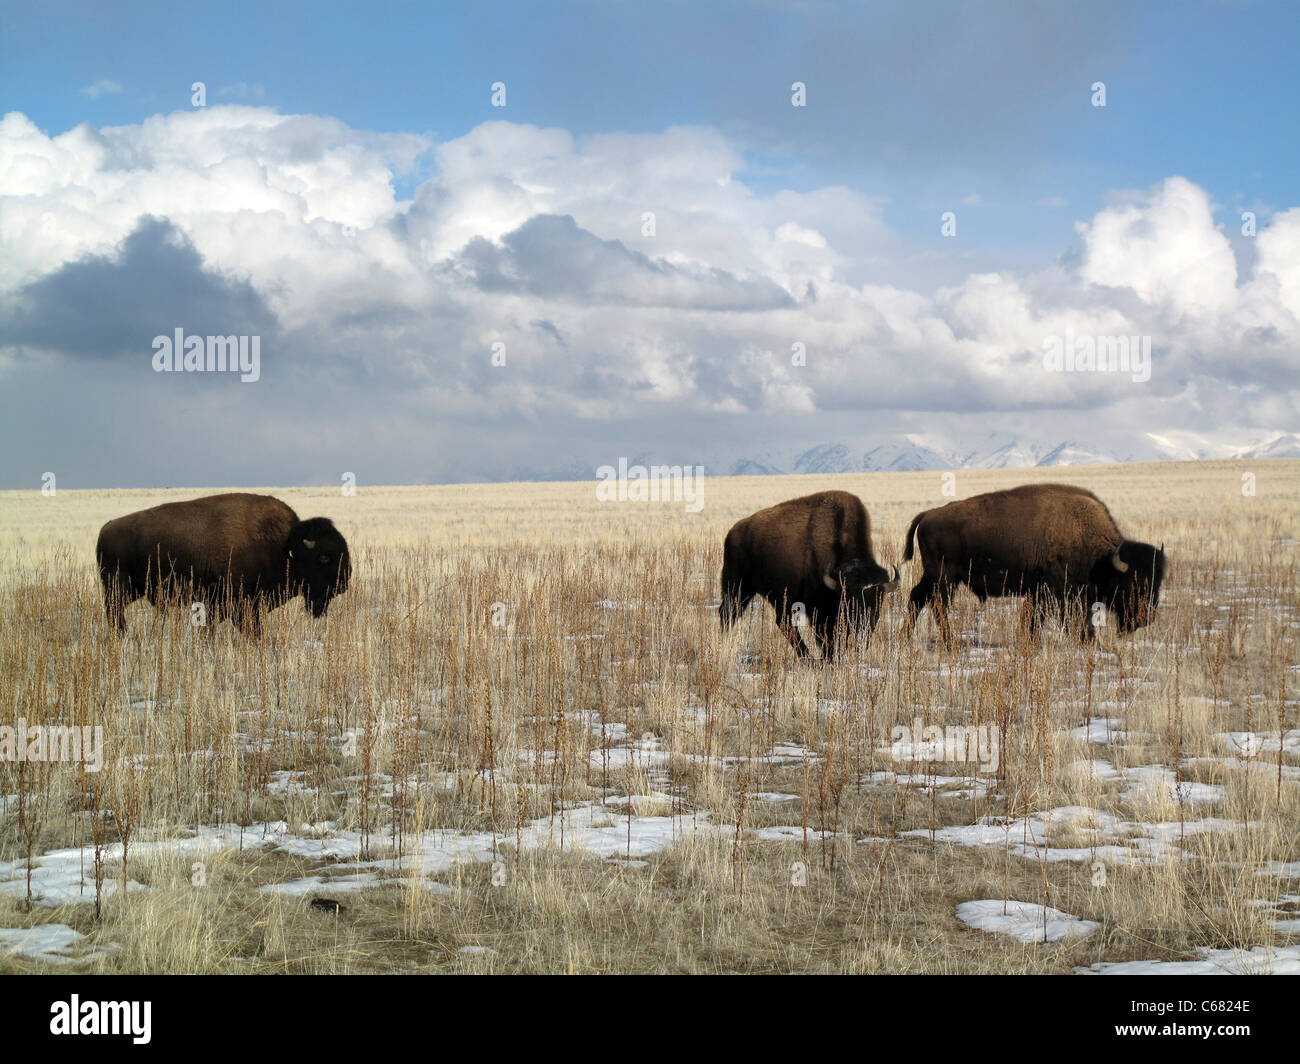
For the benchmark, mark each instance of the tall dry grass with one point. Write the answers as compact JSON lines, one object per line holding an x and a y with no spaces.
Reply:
{"x":509,"y":656}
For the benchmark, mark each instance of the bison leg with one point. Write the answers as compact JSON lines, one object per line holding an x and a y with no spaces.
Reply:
{"x":1071,"y":605}
{"x":1036,"y":604}
{"x":1030,"y":608}
{"x":734,"y":600}
{"x":210,"y":616}
{"x":825,"y":628}
{"x":919,"y":599}
{"x":1040,"y":605}
{"x":1087,"y":631}
{"x":117,"y":596}
{"x":788,"y":629}
{"x":248,"y":618}
{"x":935,"y":594}
{"x":939,"y":603}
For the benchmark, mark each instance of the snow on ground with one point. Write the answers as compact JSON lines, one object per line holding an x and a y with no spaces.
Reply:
{"x":1250,"y":744}
{"x":1261,"y":770}
{"x":965,"y":787}
{"x":788,"y":832}
{"x":781,"y":754}
{"x":285,"y":783}
{"x":1104,"y":836}
{"x":65,"y":876}
{"x":626,"y":828}
{"x":1104,"y":730}
{"x":643,"y":805}
{"x":46,"y":942}
{"x":1284,"y":914}
{"x":1097,"y":770}
{"x":1262,"y":960}
{"x":1023,"y":920}
{"x":1151,"y":783}
{"x":646,"y":754}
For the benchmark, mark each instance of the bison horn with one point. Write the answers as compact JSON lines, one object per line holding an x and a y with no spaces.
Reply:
{"x":828,"y":579}
{"x":1120,"y":565}
{"x":310,"y":544}
{"x":893,"y":584}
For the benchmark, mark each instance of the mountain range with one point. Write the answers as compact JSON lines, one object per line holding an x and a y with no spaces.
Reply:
{"x":912,"y":452}
{"x":998,"y":450}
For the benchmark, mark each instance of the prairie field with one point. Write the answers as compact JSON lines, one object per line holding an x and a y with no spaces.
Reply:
{"x":519,"y":743}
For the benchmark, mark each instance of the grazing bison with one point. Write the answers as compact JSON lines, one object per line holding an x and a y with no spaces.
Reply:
{"x":814,"y":551}
{"x":235,"y":553}
{"x":1054,"y":543}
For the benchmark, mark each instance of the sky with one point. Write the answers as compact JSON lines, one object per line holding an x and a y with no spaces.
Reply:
{"x":647,"y":250}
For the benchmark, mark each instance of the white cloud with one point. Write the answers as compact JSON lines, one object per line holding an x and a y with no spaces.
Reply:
{"x":102,"y":87}
{"x":392,"y":306}
{"x":1166,"y":247}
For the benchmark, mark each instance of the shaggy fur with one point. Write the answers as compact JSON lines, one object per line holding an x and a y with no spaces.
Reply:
{"x":236,"y":553}
{"x":791,"y":554}
{"x":1055,"y":543}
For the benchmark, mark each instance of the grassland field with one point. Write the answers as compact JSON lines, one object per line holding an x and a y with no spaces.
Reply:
{"x":519,"y":743}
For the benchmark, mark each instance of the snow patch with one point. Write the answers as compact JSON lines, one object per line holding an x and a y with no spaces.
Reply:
{"x":1023,"y":920}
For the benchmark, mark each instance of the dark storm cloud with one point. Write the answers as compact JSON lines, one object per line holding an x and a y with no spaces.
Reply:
{"x":102,"y":306}
{"x":552,"y":257}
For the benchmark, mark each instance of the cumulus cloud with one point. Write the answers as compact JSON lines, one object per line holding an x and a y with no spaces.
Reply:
{"x":102,"y":306}
{"x":1165,"y":246}
{"x":550,"y":257}
{"x":638,"y":291}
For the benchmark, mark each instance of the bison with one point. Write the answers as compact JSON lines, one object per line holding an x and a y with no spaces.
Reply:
{"x":814,"y":551}
{"x":235,"y":553}
{"x":1054,"y":543}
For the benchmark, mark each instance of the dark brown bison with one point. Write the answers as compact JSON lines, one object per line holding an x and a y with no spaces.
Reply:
{"x":1056,"y":544}
{"x":236,"y":553}
{"x":812,"y":555}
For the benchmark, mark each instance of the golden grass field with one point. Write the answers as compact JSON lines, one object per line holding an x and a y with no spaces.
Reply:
{"x":519,"y":744}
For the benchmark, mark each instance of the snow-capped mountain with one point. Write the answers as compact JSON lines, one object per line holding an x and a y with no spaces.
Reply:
{"x":1183,"y":446}
{"x":1001,"y":450}
{"x":912,"y":452}
{"x":904,"y":456}
{"x":826,"y":458}
{"x":748,"y":467}
{"x":1286,"y":445}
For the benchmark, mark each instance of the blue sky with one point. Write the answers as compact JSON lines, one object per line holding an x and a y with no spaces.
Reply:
{"x":1206,"y":89}
{"x":350,"y":194}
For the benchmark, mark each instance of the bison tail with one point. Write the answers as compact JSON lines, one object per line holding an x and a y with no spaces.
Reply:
{"x":907,"y":540}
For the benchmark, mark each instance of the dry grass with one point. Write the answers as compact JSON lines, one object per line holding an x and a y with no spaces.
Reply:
{"x":408,"y":718}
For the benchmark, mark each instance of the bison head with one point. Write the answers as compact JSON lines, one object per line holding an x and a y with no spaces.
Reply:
{"x":858,"y":578}
{"x":319,"y":565}
{"x":1130,"y":579}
